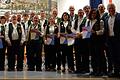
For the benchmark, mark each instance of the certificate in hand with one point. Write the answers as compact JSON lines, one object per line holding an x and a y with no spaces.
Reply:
{"x":85,"y":32}
{"x":50,"y":40}
{"x":71,"y":39}
{"x":1,"y":44}
{"x":33,"y":35}
{"x":63,"y":34}
{"x":63,"y":39}
{"x":72,"y":35}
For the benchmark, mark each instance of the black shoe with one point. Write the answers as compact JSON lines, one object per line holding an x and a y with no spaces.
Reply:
{"x":19,"y":69}
{"x":38,"y":68}
{"x":114,"y":75}
{"x":47,"y":69}
{"x":53,"y":69}
{"x":58,"y":68}
{"x":2,"y":69}
{"x":93,"y":74}
{"x":70,"y":70}
{"x":63,"y":70}
{"x":10,"y":69}
{"x":77,"y":72}
{"x":30,"y":69}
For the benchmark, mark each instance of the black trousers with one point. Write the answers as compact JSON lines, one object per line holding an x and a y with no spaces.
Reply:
{"x":67,"y":56}
{"x":28,"y":50}
{"x":50,"y":56}
{"x":35,"y":55}
{"x":58,"y":57}
{"x":13,"y":51}
{"x":114,"y":47}
{"x":2,"y":59}
{"x":98,"y":60}
{"x":108,"y":57}
{"x":82,"y":55}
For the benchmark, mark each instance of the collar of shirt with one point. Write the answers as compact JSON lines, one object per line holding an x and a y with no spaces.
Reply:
{"x":92,"y":22}
{"x":14,"y":26}
{"x":65,"y":23}
{"x":112,"y":15}
{"x":101,"y":15}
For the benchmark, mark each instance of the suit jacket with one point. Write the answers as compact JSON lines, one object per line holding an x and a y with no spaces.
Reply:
{"x":116,"y":27}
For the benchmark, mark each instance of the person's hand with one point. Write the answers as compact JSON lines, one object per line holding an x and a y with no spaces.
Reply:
{"x":21,"y":44}
{"x":92,"y":31}
{"x":1,"y":37}
{"x":78,"y":35}
{"x":9,"y":43}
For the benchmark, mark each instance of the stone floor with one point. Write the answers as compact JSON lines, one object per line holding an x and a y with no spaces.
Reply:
{"x":43,"y":75}
{"x":47,"y":76}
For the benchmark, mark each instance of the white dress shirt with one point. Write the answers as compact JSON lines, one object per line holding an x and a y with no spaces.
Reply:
{"x":79,"y":23}
{"x":111,"y":21}
{"x":15,"y":35}
{"x":42,"y":26}
{"x":51,"y":29}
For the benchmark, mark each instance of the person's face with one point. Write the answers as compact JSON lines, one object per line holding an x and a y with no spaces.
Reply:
{"x":18,"y":18}
{"x":2,"y":21}
{"x":7,"y":15}
{"x":111,"y":10}
{"x":42,"y":14}
{"x":55,"y":13}
{"x":35,"y":20}
{"x":71,"y":9}
{"x":93,"y":15}
{"x":87,"y":10}
{"x":32,"y":15}
{"x":65,"y":17}
{"x":14,"y":19}
{"x":25,"y":17}
{"x":101,"y":8}
{"x":80,"y":13}
{"x":52,"y":20}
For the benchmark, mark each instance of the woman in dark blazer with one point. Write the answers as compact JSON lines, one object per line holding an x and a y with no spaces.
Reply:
{"x":96,"y":27}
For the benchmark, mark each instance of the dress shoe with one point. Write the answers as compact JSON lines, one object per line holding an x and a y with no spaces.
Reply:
{"x":10,"y":69}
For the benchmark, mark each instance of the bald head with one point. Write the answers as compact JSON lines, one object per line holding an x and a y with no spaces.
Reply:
{"x":71,"y":9}
{"x":101,"y":8}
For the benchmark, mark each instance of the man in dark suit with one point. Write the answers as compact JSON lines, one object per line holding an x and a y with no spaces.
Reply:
{"x":112,"y":31}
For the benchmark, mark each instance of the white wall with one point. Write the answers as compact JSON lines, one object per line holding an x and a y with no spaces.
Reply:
{"x":63,"y":5}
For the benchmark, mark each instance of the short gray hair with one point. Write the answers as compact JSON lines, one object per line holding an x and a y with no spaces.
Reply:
{"x":111,"y":5}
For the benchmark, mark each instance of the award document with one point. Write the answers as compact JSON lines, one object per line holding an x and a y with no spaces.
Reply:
{"x":70,"y":39}
{"x":50,"y":40}
{"x":63,"y":39}
{"x":1,"y":44}
{"x":86,"y":32}
{"x":33,"y":35}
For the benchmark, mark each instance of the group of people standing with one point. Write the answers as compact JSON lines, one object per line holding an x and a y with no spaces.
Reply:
{"x":89,"y":39}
